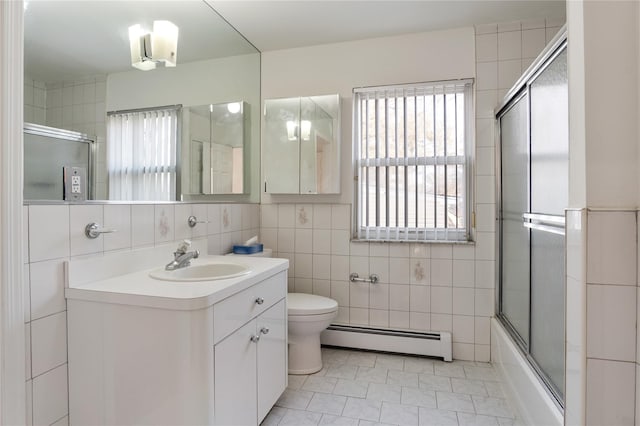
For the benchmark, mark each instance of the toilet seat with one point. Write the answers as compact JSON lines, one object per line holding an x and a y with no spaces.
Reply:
{"x":309,"y":304}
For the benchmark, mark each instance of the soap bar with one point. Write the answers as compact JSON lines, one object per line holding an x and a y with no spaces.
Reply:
{"x":250,"y":249}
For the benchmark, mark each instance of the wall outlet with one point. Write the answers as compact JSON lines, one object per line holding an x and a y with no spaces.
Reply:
{"x":75,"y":183}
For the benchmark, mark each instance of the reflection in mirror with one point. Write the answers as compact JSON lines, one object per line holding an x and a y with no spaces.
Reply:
{"x":216,"y":138}
{"x":51,"y":156}
{"x":302,"y":145}
{"x":78,"y":67}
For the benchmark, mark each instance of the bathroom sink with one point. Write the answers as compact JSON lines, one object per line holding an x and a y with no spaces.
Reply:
{"x":206,"y":272}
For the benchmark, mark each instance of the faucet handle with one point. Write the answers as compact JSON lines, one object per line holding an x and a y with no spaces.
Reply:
{"x":183,"y":246}
{"x":192,"y":221}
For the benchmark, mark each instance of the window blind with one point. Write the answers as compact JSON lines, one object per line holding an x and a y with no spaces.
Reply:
{"x":412,"y":160}
{"x":142,"y":154}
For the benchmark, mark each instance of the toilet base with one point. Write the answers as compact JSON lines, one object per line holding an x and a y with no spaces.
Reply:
{"x":305,"y":356}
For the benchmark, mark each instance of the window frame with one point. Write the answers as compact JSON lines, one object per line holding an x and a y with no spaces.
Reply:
{"x":414,"y":234}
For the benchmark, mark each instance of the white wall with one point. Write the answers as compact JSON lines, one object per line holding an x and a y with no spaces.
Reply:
{"x":456,"y":290}
{"x":197,"y":83}
{"x":603,"y":361}
{"x":338,"y":68}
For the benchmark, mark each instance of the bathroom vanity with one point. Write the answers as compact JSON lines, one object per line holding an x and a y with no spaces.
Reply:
{"x":149,"y":351}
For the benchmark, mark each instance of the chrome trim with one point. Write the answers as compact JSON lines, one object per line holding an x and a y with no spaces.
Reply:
{"x":546,"y":218}
{"x":457,"y":82}
{"x":549,"y":51}
{"x":93,"y":230}
{"x":354,"y":277}
{"x":544,"y":228}
{"x":176,"y":107}
{"x":519,"y":90}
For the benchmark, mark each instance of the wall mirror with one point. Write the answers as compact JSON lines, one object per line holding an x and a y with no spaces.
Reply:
{"x":214,"y":135}
{"x":302,"y":145}
{"x":78,"y":67}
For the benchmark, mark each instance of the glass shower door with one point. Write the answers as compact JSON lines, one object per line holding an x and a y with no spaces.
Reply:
{"x":534,"y":182}
{"x":514,"y":304}
{"x":549,"y":198}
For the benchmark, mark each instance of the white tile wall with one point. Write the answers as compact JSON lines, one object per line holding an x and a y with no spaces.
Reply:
{"x":610,"y":392}
{"x":118,"y":217}
{"x":46,"y":288}
{"x":48,"y":343}
{"x":50,"y":396}
{"x":34,"y":101}
{"x":416,"y":288}
{"x":57,"y":232}
{"x":611,"y":262}
{"x":611,"y":257}
{"x":48,"y":232}
{"x":611,"y":314}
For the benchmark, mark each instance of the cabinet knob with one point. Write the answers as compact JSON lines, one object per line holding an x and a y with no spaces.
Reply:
{"x":264,"y":330}
{"x":259,"y":301}
{"x":255,"y":339}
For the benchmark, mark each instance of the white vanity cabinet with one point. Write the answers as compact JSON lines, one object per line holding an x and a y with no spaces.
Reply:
{"x":257,"y":352}
{"x":217,"y":355}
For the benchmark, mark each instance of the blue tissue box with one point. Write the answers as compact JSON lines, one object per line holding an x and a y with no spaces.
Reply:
{"x":253,"y":248}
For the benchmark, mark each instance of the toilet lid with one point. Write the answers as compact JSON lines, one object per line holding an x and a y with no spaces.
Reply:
{"x":309,"y":304}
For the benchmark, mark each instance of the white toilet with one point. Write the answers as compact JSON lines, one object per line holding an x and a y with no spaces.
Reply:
{"x":308,"y":316}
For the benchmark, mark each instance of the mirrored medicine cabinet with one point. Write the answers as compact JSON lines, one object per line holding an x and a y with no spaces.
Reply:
{"x":215,"y":135}
{"x":302,"y":145}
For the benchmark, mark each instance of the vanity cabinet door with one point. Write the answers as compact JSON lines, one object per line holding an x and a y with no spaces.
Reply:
{"x":235,"y":378}
{"x":272,"y":357}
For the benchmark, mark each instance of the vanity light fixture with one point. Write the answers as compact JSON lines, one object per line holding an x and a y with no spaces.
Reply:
{"x":148,"y":49}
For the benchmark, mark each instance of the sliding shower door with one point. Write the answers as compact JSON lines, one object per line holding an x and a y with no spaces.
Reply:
{"x":515,"y":203}
{"x":549,"y":197}
{"x":534,"y":194}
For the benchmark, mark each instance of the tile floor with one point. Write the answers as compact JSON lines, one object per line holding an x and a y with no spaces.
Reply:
{"x":368,"y":388}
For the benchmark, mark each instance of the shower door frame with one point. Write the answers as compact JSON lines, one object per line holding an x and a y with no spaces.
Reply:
{"x":521,"y":89}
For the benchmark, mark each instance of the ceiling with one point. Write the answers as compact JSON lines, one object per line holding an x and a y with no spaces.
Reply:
{"x":273,"y":25}
{"x":67,"y":40}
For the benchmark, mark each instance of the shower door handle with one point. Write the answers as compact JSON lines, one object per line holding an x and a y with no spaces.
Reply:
{"x":544,"y":222}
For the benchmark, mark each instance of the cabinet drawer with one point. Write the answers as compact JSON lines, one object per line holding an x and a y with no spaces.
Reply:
{"x":235,"y":311}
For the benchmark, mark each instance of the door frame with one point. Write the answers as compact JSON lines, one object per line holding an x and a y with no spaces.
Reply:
{"x":12,"y":237}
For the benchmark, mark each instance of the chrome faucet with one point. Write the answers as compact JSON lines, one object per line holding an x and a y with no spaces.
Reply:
{"x":182,"y":257}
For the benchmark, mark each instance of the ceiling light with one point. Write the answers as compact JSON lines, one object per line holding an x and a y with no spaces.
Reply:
{"x":158,"y":47}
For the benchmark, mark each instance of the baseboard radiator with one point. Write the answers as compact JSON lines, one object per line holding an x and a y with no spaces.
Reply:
{"x":436,"y":344}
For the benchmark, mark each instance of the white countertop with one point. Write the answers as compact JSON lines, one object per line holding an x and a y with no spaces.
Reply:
{"x":139,"y":289}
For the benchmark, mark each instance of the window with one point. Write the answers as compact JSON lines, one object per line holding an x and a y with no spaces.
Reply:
{"x":141,"y":156}
{"x":412,"y":145}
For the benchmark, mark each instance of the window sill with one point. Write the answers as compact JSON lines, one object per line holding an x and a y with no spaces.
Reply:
{"x":435,"y":242}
